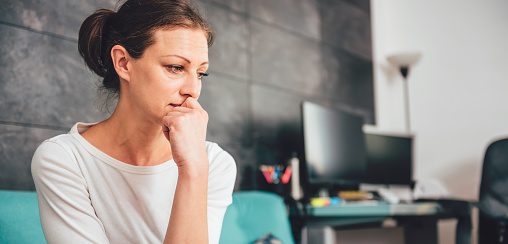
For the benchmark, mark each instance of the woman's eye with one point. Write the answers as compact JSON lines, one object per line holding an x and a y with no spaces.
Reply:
{"x":175,"y":68}
{"x":202,"y":74}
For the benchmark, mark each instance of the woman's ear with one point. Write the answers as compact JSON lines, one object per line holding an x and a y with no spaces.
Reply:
{"x":121,"y":58}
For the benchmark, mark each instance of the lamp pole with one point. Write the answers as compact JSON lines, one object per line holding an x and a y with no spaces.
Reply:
{"x":404,"y":71}
{"x":404,"y":61}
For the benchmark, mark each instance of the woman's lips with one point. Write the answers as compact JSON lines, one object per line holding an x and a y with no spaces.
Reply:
{"x":175,"y":105}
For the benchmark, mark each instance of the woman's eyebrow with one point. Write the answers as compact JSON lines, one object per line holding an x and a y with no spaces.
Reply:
{"x":178,"y":56}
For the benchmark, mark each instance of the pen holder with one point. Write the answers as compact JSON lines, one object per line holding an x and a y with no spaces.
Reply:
{"x":275,"y":178}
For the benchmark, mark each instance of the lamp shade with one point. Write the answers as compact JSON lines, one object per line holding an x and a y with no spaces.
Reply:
{"x":404,"y":59}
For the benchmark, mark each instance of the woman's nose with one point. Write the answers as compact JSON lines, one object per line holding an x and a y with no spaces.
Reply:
{"x":191,"y":87}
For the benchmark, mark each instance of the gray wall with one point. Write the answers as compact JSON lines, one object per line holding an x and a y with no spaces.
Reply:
{"x":268,"y":57}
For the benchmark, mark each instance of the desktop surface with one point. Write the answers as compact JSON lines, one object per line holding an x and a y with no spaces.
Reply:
{"x":379,"y":209}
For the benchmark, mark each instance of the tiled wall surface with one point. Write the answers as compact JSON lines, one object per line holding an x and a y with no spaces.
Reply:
{"x":268,"y":57}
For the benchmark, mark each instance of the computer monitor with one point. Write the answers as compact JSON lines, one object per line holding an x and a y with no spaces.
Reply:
{"x":389,"y":159}
{"x":334,"y":146}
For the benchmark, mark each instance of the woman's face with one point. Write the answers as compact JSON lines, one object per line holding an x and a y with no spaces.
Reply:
{"x":169,"y":71}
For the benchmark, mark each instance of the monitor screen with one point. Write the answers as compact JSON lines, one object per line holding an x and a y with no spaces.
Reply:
{"x":389,"y":159}
{"x":334,"y":145}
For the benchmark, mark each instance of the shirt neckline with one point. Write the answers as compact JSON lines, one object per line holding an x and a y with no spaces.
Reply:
{"x":80,"y":127}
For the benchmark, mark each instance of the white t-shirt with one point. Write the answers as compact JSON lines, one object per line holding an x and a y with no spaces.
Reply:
{"x":86,"y":196}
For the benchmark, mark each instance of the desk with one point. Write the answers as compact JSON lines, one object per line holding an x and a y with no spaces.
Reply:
{"x":370,"y":209}
{"x":419,"y":220}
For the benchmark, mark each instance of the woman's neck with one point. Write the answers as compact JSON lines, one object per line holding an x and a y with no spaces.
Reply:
{"x":129,"y":137}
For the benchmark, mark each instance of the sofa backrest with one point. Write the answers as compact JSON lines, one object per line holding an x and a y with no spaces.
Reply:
{"x":19,"y":218}
{"x":254,"y":214}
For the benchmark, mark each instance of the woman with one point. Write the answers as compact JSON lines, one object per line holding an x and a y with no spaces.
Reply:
{"x":145,"y":174}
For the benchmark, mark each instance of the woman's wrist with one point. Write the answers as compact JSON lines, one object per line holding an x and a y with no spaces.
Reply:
{"x":194,"y":170}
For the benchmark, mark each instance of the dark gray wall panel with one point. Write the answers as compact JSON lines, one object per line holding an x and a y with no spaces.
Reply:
{"x":349,"y":80}
{"x":44,"y":80}
{"x":201,"y":6}
{"x":60,"y":17}
{"x":277,"y":122}
{"x":364,"y":5}
{"x":301,"y":16}
{"x":17,"y":146}
{"x":229,"y":53}
{"x":236,"y":5}
{"x":227,"y":104}
{"x":346,"y":26}
{"x":286,"y":61}
{"x":246,"y":165}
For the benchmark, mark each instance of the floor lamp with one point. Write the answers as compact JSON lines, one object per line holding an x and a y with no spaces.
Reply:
{"x":404,"y":61}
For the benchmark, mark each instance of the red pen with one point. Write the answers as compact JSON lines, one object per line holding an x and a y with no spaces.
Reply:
{"x":266,"y":174}
{"x":287,"y":175}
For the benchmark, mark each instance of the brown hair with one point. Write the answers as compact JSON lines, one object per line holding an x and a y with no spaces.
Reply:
{"x":132,"y":27}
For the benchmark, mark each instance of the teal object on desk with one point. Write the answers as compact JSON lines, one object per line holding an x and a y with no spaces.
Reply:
{"x":19,"y":218}
{"x":254,"y":214}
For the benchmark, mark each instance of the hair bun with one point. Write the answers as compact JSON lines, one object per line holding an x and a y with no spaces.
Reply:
{"x":91,"y":40}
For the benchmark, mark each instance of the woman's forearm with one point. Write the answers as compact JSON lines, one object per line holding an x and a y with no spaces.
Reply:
{"x":188,"y":221}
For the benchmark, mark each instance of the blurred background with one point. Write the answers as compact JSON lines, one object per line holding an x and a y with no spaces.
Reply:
{"x":268,"y":57}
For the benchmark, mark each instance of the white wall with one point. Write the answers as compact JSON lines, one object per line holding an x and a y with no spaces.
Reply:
{"x":459,"y":89}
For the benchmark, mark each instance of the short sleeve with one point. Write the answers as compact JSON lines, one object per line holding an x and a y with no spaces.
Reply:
{"x":221,"y":181}
{"x":67,"y":215}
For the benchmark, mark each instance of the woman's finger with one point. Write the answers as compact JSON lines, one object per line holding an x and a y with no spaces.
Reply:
{"x":165,"y":130}
{"x":181,"y":109}
{"x":174,"y":113}
{"x":168,"y":119}
{"x":191,"y":102}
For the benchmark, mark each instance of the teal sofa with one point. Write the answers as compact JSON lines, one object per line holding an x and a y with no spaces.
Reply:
{"x":19,"y":218}
{"x":252,"y":215}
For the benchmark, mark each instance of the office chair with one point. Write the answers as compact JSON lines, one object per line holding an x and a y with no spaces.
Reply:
{"x":493,"y":202}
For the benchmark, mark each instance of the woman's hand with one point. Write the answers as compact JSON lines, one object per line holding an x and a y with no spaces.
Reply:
{"x":185,"y":128}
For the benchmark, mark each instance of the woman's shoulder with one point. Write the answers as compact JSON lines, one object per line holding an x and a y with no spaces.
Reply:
{"x":64,"y":143}
{"x":57,"y":144}
{"x":57,"y":151}
{"x":219,"y":159}
{"x":221,"y":176}
{"x":214,"y":151}
{"x":54,"y":156}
